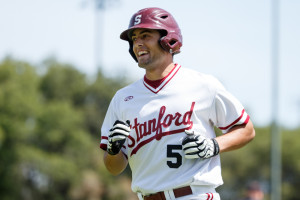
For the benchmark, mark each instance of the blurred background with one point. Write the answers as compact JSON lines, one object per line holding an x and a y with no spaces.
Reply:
{"x":61,"y":61}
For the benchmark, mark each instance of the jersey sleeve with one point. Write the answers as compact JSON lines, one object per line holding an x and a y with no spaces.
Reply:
{"x":111,"y":116}
{"x":226,"y":110}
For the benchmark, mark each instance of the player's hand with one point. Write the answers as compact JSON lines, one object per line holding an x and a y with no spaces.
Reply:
{"x":117,"y":136}
{"x":198,"y":146}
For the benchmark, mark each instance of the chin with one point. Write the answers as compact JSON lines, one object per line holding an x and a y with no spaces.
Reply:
{"x":143,"y":64}
{"x":143,"y":67}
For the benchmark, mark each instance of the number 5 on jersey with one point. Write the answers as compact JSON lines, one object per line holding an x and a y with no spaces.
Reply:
{"x":172,"y":152}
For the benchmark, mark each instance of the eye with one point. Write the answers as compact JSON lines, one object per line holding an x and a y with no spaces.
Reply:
{"x":145,"y":35}
{"x":133,"y":39}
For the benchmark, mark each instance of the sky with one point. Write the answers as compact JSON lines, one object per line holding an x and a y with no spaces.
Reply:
{"x":230,"y":39}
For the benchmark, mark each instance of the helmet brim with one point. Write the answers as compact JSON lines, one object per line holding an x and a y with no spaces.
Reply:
{"x":126,"y":35}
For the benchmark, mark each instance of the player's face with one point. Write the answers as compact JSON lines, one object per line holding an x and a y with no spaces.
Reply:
{"x":146,"y":48}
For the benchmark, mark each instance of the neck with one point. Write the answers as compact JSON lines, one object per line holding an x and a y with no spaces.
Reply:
{"x":159,"y":72}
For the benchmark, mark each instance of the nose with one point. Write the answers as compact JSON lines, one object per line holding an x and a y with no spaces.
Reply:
{"x":138,"y":42}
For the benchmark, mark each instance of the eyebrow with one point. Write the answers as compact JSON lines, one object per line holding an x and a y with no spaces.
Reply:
{"x":144,"y":31}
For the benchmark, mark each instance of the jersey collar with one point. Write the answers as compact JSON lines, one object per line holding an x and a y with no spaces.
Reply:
{"x":156,"y":86}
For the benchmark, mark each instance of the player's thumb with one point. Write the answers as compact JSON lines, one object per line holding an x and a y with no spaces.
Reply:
{"x":189,"y":132}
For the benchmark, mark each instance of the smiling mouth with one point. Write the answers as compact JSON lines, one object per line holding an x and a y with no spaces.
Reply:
{"x":142,"y":53}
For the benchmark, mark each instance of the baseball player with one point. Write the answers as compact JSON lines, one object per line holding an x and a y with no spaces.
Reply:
{"x":163,"y":124}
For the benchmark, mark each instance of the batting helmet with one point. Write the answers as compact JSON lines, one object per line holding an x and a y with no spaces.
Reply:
{"x":158,"y":19}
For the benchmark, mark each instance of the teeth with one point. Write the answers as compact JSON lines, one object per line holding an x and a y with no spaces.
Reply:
{"x":142,"y":52}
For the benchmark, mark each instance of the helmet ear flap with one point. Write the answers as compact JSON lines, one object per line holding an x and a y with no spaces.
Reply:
{"x":170,"y":44}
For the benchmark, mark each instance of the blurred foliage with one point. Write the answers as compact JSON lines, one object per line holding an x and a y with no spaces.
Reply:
{"x":252,"y":163}
{"x":50,"y":133}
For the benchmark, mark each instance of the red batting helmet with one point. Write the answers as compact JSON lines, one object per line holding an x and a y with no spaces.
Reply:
{"x":158,"y":19}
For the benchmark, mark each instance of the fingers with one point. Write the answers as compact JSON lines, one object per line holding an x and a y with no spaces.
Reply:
{"x":189,"y":132}
{"x":189,"y":145}
{"x":120,"y":130}
{"x":192,"y":150}
{"x":117,"y":132}
{"x":202,"y":143}
{"x":191,"y":156}
{"x":194,"y":146}
{"x":121,"y":126}
{"x":117,"y":136}
{"x":198,"y":141}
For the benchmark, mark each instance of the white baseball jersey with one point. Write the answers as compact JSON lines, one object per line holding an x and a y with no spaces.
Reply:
{"x":159,"y":112}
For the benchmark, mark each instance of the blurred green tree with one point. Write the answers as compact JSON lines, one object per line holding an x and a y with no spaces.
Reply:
{"x":46,"y":149}
{"x":98,"y":97}
{"x":252,"y":163}
{"x":19,"y":104}
{"x":63,"y":82}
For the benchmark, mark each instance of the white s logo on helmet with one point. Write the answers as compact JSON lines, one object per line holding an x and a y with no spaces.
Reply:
{"x":137,"y":19}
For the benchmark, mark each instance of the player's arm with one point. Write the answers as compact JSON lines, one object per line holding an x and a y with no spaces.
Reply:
{"x":115,"y":164}
{"x":237,"y":137}
{"x":198,"y":146}
{"x":114,"y":160}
